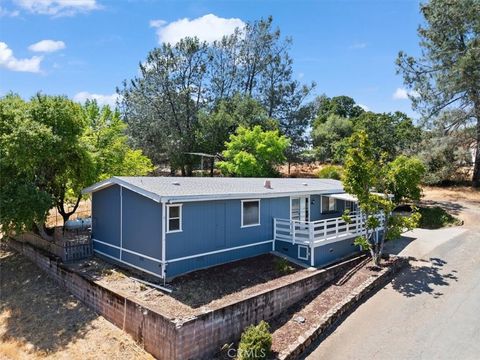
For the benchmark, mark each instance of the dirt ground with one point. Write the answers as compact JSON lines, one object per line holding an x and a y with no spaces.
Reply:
{"x":40,"y":320}
{"x":454,"y":200}
{"x":299,"y":318}
{"x":199,"y":291}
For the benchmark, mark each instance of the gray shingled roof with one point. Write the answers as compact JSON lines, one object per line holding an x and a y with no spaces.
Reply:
{"x":219,"y":187}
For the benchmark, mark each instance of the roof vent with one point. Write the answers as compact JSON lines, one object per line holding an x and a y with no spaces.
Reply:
{"x":175,"y":183}
{"x":304,"y":184}
{"x":267,"y":184}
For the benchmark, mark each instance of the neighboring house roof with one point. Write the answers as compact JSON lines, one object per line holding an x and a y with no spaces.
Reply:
{"x":171,"y":189}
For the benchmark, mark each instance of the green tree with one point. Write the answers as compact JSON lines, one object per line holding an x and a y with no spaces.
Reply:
{"x":253,"y":152}
{"x":183,"y":99}
{"x":328,"y":135}
{"x":343,"y":106}
{"x":43,"y":160}
{"x":365,"y":175}
{"x":390,"y":133}
{"x":107,"y":142}
{"x":446,"y":75}
{"x":217,"y":125}
{"x":161,"y":105}
{"x":50,"y":149}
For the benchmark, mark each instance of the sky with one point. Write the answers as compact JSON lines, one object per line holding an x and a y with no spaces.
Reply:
{"x":86,"y":48}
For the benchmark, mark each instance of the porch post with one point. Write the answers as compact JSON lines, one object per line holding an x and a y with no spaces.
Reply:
{"x":274,"y":233}
{"x":311,"y":231}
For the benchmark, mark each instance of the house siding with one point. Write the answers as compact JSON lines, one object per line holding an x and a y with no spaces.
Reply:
{"x":216,"y":225}
{"x":140,"y":228}
{"x":106,"y":216}
{"x":324,"y":254}
{"x":328,"y":253}
{"x":207,"y":226}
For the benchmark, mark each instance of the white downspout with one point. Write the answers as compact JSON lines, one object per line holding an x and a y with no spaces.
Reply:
{"x":164,"y":216}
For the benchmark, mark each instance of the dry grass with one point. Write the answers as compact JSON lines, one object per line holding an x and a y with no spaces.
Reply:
{"x":40,"y":320}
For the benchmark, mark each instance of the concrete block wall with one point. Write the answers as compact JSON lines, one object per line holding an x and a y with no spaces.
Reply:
{"x":151,"y":330}
{"x":206,"y":334}
{"x":197,"y":338}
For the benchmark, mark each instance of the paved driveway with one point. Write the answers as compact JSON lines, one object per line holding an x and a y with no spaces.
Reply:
{"x":431,"y":311}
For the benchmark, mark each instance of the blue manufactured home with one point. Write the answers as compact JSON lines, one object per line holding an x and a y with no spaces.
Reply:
{"x":167,"y":226}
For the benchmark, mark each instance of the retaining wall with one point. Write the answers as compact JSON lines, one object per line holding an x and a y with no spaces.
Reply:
{"x":197,"y":338}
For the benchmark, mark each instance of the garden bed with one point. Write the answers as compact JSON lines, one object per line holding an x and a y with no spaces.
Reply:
{"x":200,"y":291}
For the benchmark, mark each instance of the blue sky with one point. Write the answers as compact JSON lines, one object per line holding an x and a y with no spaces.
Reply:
{"x":85,"y":48}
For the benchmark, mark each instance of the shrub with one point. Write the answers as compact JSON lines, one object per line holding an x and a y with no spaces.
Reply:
{"x":255,"y":342}
{"x":283,"y":266}
{"x":330,"y":172}
{"x":435,"y":217}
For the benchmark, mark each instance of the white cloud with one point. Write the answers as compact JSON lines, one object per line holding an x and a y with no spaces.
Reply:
{"x":207,"y":28}
{"x":358,"y":45}
{"x":9,"y":61}
{"x":101,"y":99}
{"x":403,"y":94}
{"x":364,"y":107}
{"x":47,"y":46}
{"x":301,"y":75}
{"x":8,"y":13}
{"x":58,"y":7}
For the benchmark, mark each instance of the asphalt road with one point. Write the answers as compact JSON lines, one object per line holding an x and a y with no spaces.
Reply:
{"x":429,"y":311}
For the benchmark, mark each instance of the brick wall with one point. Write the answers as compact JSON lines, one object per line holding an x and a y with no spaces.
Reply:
{"x":200,"y":337}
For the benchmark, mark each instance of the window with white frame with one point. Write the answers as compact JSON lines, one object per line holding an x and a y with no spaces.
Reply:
{"x":329,"y":204}
{"x":250,"y":213}
{"x":174,"y":218}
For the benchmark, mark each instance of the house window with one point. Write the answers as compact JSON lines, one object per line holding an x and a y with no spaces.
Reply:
{"x":250,"y":213}
{"x":329,"y":204}
{"x":174,"y":218}
{"x":350,"y":205}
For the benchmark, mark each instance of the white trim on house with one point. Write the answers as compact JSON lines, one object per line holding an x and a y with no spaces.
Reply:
{"x":219,"y":251}
{"x":180,"y":218}
{"x":115,"y":181}
{"x":301,"y":197}
{"x":307,"y":249}
{"x":164,"y":216}
{"x":126,"y":250}
{"x":121,"y":220}
{"x":127,"y":263}
{"x":241,"y":213}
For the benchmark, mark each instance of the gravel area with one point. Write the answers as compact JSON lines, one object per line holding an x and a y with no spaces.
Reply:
{"x":200,"y":291}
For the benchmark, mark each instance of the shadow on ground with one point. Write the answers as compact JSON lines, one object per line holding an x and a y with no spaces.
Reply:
{"x":33,"y":309}
{"x":424,"y":277}
{"x":395,"y":247}
{"x":453,"y":208}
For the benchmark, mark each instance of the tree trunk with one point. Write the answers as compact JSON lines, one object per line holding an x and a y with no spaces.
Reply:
{"x":476,"y":167}
{"x":42,"y":232}
{"x":289,"y":165}
{"x":66,"y":214}
{"x":212,"y":165}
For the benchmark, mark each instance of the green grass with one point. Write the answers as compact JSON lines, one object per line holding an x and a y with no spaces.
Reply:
{"x":435,"y":218}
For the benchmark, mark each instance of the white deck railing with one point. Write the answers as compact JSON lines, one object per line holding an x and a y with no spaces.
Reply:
{"x":320,"y":232}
